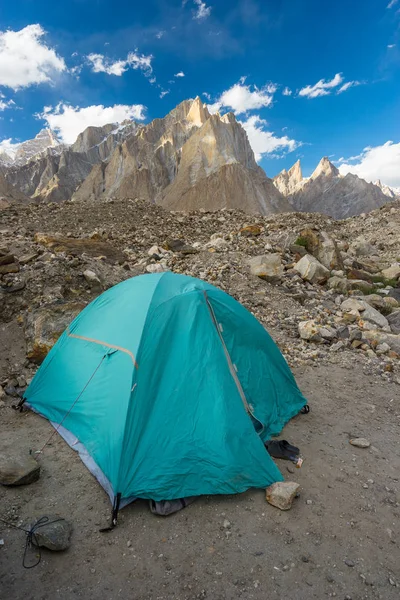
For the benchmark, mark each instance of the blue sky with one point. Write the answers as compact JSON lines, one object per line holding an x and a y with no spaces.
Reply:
{"x":306,"y":78}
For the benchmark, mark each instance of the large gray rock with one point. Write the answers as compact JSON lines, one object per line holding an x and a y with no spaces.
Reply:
{"x":392,"y":272}
{"x":394,"y":321}
{"x":374,"y":316}
{"x":381,"y":337}
{"x":53,"y":534}
{"x":322,"y":247}
{"x":282,"y":493}
{"x":267,"y":266}
{"x":18,"y":469}
{"x":311,"y":269}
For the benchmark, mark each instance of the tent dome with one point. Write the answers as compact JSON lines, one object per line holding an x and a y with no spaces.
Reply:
{"x":168,"y":387}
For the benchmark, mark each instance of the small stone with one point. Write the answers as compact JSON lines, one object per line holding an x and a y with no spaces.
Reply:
{"x":226,"y":524}
{"x":27,"y":258}
{"x":349,"y":562}
{"x":91,"y":277}
{"x":309,"y":502}
{"x":9,"y":268}
{"x":336,"y":347}
{"x":18,"y":470}
{"x":282,"y":493}
{"x":156,"y":268}
{"x":360,"y":443}
{"x":129,"y":543}
{"x":290,"y":469}
{"x":54,"y":534}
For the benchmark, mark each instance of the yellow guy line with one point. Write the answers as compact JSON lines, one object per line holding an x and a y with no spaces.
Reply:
{"x":86,"y":339}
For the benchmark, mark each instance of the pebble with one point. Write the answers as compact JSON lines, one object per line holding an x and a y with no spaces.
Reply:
{"x":360,"y":443}
{"x":349,"y":562}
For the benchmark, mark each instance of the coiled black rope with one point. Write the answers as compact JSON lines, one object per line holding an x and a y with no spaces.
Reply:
{"x":31,"y":539}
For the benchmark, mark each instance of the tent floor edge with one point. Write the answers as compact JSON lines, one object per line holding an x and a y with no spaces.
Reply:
{"x":114,"y":514}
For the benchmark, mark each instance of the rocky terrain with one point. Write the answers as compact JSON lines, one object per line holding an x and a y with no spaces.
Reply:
{"x":328,"y":292}
{"x":327,"y":191}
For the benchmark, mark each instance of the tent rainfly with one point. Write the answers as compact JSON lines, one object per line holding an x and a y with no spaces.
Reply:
{"x":168,"y":388}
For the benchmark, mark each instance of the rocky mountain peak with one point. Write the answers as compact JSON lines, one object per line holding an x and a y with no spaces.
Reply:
{"x":325,"y":168}
{"x":198,"y":113}
{"x":295,"y":173}
{"x":288,"y":181}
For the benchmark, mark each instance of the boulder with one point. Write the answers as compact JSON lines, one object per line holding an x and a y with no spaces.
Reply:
{"x":327,"y":333}
{"x":53,"y":532}
{"x":251,"y":230}
{"x":78,"y":246}
{"x":9,"y":268}
{"x":7,"y":259}
{"x":311,"y":269}
{"x":381,"y":337}
{"x":267,"y":266}
{"x":282,"y":493}
{"x":339,"y":284}
{"x":177,"y":245}
{"x":394,"y":321}
{"x":362,"y":248}
{"x":360,"y":274}
{"x":352,"y":304}
{"x":18,"y":469}
{"x":322,"y":247}
{"x":392,"y":272}
{"x":309,"y":331}
{"x":360,"y":285}
{"x":44,"y":326}
{"x":374,"y":316}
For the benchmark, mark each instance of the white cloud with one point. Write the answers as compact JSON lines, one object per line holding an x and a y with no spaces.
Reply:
{"x":379,"y":162}
{"x":207,"y":96}
{"x":5,"y":103}
{"x":159,"y":34}
{"x":391,"y":45}
{"x":25,"y":60}
{"x":203,"y":11}
{"x":102,"y":64}
{"x":241,"y":98}
{"x":347,"y":85}
{"x":180,"y":74}
{"x":164,"y":93}
{"x":8,"y":147}
{"x":69,"y":121}
{"x":265,"y":142}
{"x":392,"y":3}
{"x":321,"y":88}
{"x":287,"y":91}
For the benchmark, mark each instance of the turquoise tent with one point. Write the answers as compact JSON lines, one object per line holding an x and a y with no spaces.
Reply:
{"x":168,"y":388}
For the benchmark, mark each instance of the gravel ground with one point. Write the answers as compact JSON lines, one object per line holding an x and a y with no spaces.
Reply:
{"x":227,"y":547}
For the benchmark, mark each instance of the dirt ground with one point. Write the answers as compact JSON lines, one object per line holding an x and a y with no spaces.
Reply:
{"x":348,"y":510}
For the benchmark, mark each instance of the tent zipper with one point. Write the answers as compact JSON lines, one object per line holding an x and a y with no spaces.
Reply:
{"x":228,"y":358}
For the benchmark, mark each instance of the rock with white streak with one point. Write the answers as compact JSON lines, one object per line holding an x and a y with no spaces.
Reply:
{"x":311,"y":269}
